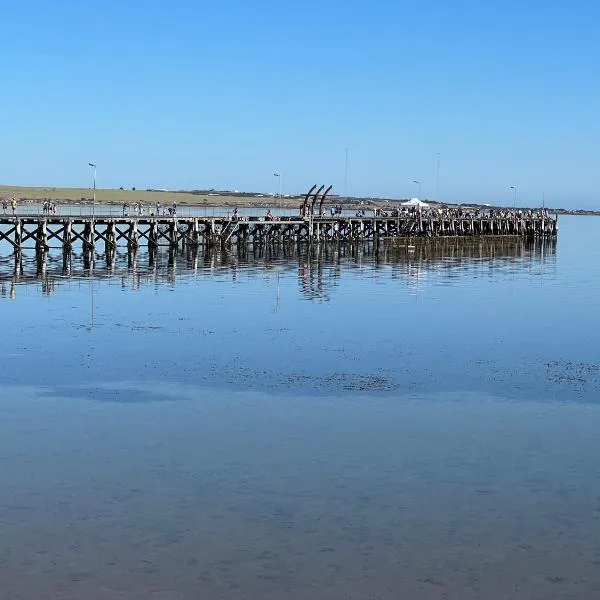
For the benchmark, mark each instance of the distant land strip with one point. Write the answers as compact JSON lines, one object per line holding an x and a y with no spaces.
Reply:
{"x":211,"y":197}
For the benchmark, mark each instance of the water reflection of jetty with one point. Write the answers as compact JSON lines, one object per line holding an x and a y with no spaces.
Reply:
{"x":317,"y":266}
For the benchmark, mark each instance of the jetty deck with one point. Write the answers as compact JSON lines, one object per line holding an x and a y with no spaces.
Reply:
{"x":44,"y":232}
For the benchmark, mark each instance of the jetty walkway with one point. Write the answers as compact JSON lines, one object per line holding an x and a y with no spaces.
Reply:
{"x":46,"y":231}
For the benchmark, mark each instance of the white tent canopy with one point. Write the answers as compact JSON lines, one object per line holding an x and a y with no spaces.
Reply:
{"x":415,"y":202}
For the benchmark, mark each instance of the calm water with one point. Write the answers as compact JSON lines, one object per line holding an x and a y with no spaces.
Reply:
{"x":271,"y":425}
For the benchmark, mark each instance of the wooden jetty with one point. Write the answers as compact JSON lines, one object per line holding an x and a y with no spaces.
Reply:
{"x":43,"y":232}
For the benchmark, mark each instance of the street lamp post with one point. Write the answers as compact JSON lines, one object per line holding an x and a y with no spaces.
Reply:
{"x":94,"y":197}
{"x":514,"y":188}
{"x":418,"y":184}
{"x":278,"y":175}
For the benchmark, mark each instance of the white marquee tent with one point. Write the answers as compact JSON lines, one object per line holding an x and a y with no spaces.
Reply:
{"x":415,"y":202}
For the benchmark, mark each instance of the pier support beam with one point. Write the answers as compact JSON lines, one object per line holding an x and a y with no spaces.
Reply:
{"x":68,"y":237}
{"x":41,"y":242}
{"x":132,"y":237}
{"x":89,"y":236}
{"x":153,"y":237}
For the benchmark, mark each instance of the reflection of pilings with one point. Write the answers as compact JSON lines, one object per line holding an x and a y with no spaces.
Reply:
{"x":41,"y":258}
{"x":472,"y":248}
{"x":18,"y":265}
{"x":168,"y":264}
{"x":66,"y":263}
{"x":132,"y":258}
{"x":110,"y":259}
{"x":88,"y":260}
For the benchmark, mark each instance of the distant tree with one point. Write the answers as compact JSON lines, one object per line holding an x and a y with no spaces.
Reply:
{"x":121,"y":188}
{"x":133,"y":189}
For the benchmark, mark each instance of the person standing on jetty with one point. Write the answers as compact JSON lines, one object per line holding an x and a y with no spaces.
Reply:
{"x":13,"y":204}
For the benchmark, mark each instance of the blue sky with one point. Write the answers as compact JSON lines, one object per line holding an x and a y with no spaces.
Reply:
{"x":185,"y":94}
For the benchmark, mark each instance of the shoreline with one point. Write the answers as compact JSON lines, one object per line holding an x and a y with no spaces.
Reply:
{"x":116,"y":197}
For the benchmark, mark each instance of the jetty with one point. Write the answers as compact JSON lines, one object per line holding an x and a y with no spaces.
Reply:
{"x":88,"y":232}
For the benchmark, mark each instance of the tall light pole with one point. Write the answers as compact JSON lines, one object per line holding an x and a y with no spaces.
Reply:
{"x":278,"y":175}
{"x":94,"y":198}
{"x":514,"y":188}
{"x":419,"y":184}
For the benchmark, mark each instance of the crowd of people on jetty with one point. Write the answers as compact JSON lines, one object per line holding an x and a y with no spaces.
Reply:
{"x":416,"y":211}
{"x":333,"y":210}
{"x":459,"y":212}
{"x":49,"y":208}
{"x":13,"y":205}
{"x":140,"y":209}
{"x":433,"y":212}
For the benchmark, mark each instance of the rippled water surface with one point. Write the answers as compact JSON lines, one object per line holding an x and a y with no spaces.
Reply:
{"x":285,"y":424}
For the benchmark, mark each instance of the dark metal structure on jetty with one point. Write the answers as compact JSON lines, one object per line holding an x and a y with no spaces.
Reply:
{"x":312,"y":226}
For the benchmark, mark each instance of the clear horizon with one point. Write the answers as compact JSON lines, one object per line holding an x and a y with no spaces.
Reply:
{"x":197,"y":96}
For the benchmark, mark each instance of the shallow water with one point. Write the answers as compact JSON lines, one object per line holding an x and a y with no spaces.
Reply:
{"x":335,"y":425}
